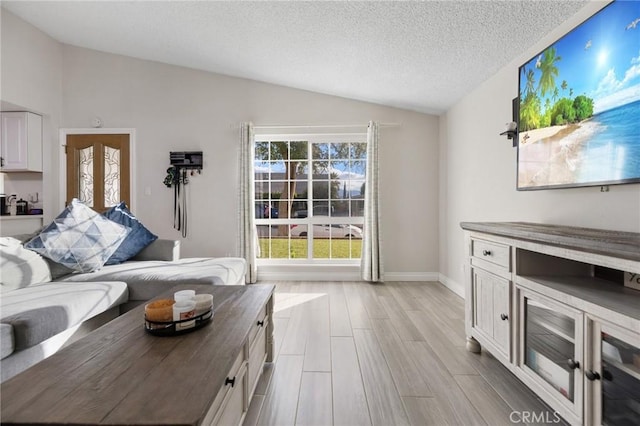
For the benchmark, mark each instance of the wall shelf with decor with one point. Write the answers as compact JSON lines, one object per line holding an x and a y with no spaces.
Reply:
{"x":570,"y":314}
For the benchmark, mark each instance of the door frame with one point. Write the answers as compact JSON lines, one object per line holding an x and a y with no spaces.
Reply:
{"x":62,"y":176}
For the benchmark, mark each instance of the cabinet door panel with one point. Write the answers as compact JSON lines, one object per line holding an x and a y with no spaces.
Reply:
{"x":551,"y":351}
{"x":14,"y":141}
{"x":491,"y":302}
{"x":21,"y":141}
{"x":221,"y":402}
{"x":502,"y":317}
{"x":261,"y":320}
{"x":257,"y":355}
{"x":615,"y":391}
{"x":233,"y":411}
{"x":484,"y":302}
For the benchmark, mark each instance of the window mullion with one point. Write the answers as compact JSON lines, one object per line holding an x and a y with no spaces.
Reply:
{"x":309,"y":200}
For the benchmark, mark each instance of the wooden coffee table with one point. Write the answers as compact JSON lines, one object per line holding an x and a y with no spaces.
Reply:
{"x":120,"y":374}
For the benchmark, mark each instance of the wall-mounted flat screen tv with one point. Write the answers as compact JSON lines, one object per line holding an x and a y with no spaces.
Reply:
{"x":579,"y":105}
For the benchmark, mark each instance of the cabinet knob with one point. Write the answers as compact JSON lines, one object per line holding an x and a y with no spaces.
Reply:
{"x":260,"y":323}
{"x":504,"y":317}
{"x":592,"y":375}
{"x":486,"y":252}
{"x":229,"y":381}
{"x":573,"y":364}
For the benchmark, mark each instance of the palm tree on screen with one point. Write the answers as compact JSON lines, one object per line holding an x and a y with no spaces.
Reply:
{"x":531,"y":82}
{"x":548,"y":71}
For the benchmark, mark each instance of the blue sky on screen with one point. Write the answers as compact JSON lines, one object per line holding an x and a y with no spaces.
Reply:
{"x":600,"y":58}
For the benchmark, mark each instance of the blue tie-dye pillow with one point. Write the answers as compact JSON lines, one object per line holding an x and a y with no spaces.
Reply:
{"x":138,"y":238}
{"x":79,"y":238}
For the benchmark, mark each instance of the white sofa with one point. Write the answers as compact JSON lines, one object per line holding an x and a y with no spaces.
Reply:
{"x":38,"y":318}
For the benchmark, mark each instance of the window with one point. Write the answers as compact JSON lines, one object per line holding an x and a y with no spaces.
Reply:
{"x":309,"y":197}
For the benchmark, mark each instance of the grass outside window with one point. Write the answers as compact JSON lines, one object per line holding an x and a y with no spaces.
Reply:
{"x":323,"y":248}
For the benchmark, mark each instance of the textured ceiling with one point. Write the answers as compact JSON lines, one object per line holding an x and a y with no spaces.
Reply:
{"x":422,"y":56}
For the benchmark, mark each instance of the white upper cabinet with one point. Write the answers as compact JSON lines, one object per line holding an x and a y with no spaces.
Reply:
{"x":21,"y":142}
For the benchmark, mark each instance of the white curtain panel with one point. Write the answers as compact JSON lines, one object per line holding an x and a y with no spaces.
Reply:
{"x":248,"y":232}
{"x":371,"y":263}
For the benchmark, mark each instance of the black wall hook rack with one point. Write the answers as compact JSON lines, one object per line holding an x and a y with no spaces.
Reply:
{"x":190,"y":160}
{"x":181,"y":162}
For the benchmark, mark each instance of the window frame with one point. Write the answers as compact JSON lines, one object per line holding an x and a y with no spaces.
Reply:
{"x":311,"y":219}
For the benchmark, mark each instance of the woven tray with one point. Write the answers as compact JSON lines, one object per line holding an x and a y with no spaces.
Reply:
{"x":174,"y":328}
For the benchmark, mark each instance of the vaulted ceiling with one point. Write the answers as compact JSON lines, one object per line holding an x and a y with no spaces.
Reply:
{"x":422,"y":56}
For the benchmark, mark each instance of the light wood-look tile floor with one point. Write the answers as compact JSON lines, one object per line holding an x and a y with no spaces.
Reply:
{"x":352,"y":353}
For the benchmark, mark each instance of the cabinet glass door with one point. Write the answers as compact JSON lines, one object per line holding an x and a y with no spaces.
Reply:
{"x":620,"y":378}
{"x":551,"y":349}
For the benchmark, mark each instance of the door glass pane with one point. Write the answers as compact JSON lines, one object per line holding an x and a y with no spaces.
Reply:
{"x":111,"y":176}
{"x":620,"y":382}
{"x":85,"y":178}
{"x":549,"y":344}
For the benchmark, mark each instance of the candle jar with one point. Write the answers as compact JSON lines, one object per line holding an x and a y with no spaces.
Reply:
{"x":159,"y":311}
{"x":184,"y":310}
{"x":184,"y":295}
{"x":204,"y":303}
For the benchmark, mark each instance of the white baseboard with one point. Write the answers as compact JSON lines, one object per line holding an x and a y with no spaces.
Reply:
{"x":333,"y":273}
{"x":308,"y":273}
{"x":308,"y":276}
{"x":411,"y":276}
{"x":348,"y":273}
{"x":452,"y":285}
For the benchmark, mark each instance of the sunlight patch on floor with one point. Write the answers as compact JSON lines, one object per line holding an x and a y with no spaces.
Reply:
{"x":285,"y":301}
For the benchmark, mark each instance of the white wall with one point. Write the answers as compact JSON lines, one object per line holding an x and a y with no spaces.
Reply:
{"x":174,"y":109}
{"x":31,"y":80}
{"x":478,"y":171}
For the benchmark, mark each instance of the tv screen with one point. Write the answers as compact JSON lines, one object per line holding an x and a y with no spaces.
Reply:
{"x":579,"y":105}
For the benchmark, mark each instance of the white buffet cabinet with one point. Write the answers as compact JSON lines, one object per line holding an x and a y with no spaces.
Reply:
{"x":556,"y":306}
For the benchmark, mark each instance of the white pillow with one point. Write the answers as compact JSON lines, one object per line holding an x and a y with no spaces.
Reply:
{"x":79,"y":238}
{"x":20,"y":267}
